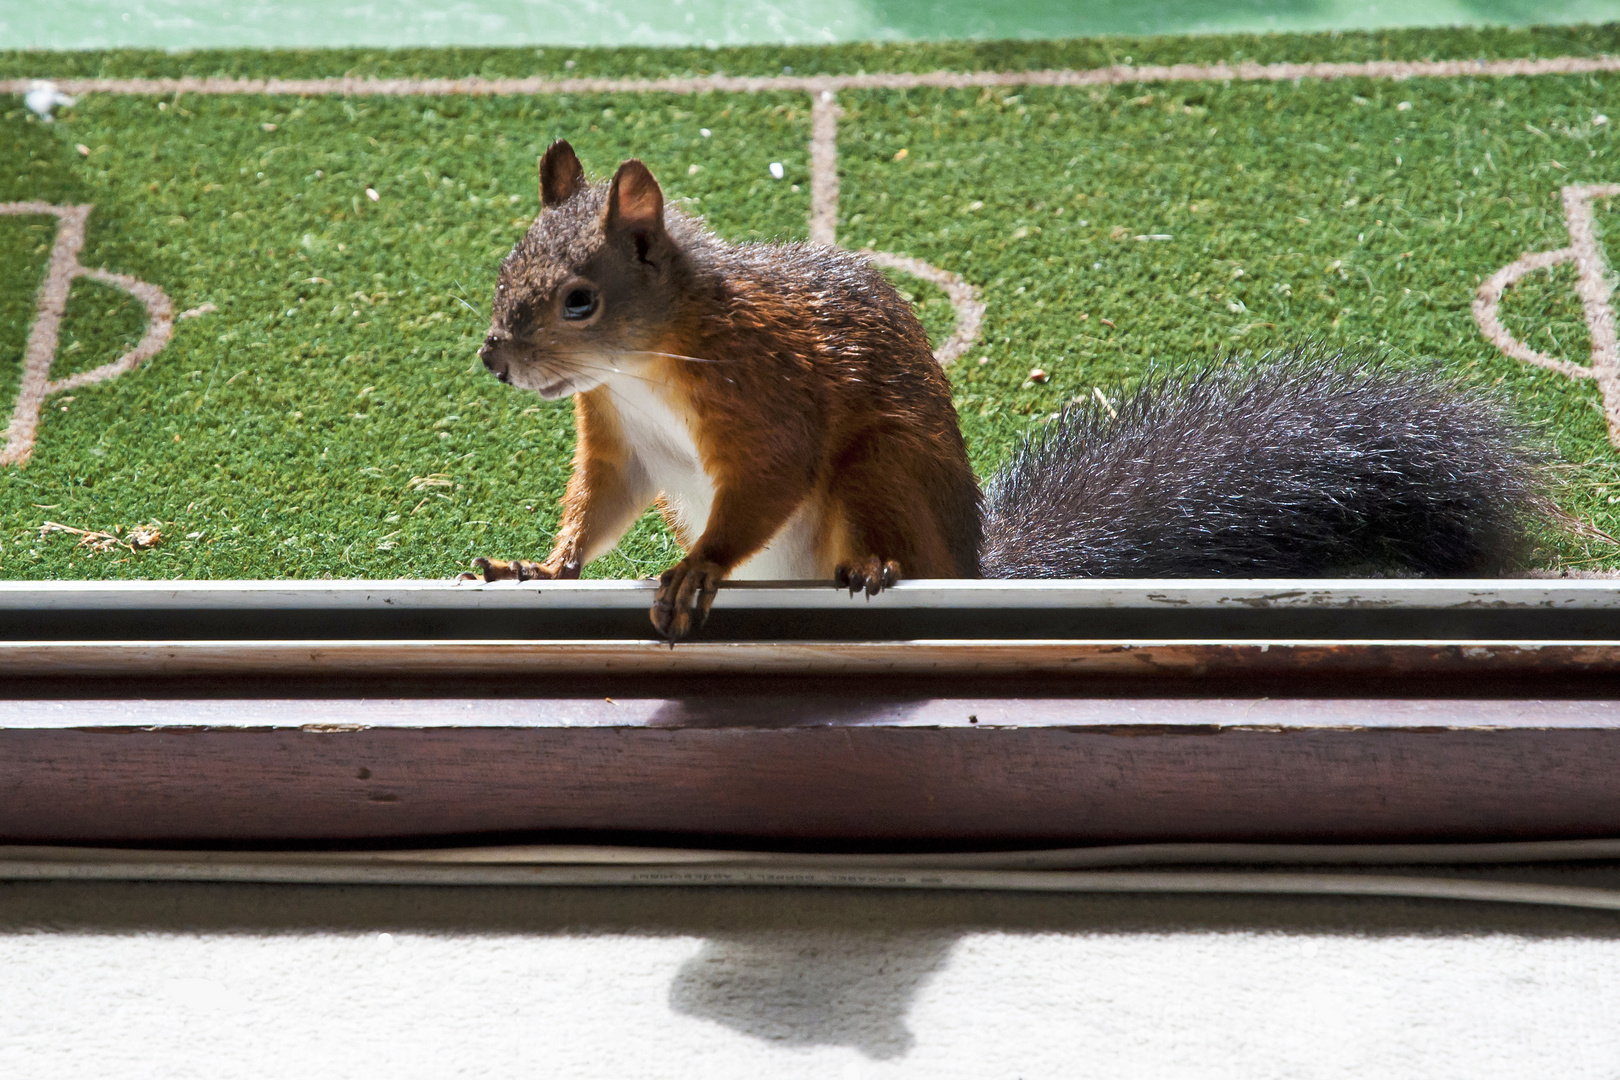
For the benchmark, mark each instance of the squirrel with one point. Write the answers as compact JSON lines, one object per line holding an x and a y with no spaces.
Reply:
{"x":782,"y":407}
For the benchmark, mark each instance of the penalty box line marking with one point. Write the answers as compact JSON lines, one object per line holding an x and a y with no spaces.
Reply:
{"x":1593,"y":284}
{"x":50,"y":304}
{"x":825,"y":112}
{"x":824,"y":188}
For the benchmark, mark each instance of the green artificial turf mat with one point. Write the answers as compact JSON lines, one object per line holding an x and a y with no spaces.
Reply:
{"x":332,"y":416}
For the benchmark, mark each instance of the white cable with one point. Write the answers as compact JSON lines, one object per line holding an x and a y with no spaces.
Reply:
{"x":606,"y":866}
{"x":1072,"y":858}
{"x":1319,"y":884}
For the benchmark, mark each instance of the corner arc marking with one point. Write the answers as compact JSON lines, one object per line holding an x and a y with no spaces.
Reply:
{"x":963,"y":295}
{"x":1489,"y":297}
{"x":159,"y":327}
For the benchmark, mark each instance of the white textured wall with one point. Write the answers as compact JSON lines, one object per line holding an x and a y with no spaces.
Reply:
{"x":249,"y":981}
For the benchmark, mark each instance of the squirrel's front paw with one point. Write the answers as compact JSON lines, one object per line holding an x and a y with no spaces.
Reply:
{"x":870,"y":574}
{"x":685,"y":594}
{"x":502,"y":570}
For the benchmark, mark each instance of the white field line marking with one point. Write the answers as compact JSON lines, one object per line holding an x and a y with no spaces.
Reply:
{"x":1593,"y":284}
{"x":824,"y":114}
{"x":814,"y":84}
{"x":51,"y":304}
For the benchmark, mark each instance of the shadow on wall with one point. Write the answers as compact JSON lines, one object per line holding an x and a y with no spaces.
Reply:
{"x":812,"y":988}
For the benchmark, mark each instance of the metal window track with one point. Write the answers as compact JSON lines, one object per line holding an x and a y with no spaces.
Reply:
{"x":923,"y":627}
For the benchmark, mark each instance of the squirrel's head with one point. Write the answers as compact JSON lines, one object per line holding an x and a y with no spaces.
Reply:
{"x":591,"y":289}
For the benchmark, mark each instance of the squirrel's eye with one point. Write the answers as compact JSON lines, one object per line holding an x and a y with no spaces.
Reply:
{"x":580,"y":303}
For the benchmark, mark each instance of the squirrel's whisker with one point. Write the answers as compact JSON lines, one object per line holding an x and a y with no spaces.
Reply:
{"x":555,"y":370}
{"x":672,"y":356}
{"x":463,"y":300}
{"x":582,"y":366}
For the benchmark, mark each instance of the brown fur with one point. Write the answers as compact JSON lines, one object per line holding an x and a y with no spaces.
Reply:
{"x":804,"y":380}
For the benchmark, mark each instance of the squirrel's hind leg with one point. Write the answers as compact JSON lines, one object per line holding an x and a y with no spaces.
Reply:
{"x":894,"y":513}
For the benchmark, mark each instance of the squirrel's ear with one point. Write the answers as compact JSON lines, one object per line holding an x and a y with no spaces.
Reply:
{"x":635,"y":201}
{"x":561,"y":174}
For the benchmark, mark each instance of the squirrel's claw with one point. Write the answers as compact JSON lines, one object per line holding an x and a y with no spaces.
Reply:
{"x":871,"y":575}
{"x":686,"y":591}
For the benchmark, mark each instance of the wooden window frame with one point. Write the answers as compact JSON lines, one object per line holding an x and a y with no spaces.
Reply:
{"x":940,"y":713}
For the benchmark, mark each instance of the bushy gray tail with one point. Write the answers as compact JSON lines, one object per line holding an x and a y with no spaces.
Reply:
{"x":1308,"y":466}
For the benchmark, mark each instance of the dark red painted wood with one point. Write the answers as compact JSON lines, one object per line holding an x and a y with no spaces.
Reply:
{"x":1074,"y":771}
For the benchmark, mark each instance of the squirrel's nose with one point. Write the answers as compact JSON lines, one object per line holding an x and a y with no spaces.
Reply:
{"x":489,"y":354}
{"x":486,"y":353}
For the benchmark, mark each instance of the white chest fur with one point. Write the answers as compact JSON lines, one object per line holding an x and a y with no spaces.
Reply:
{"x":660,"y":440}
